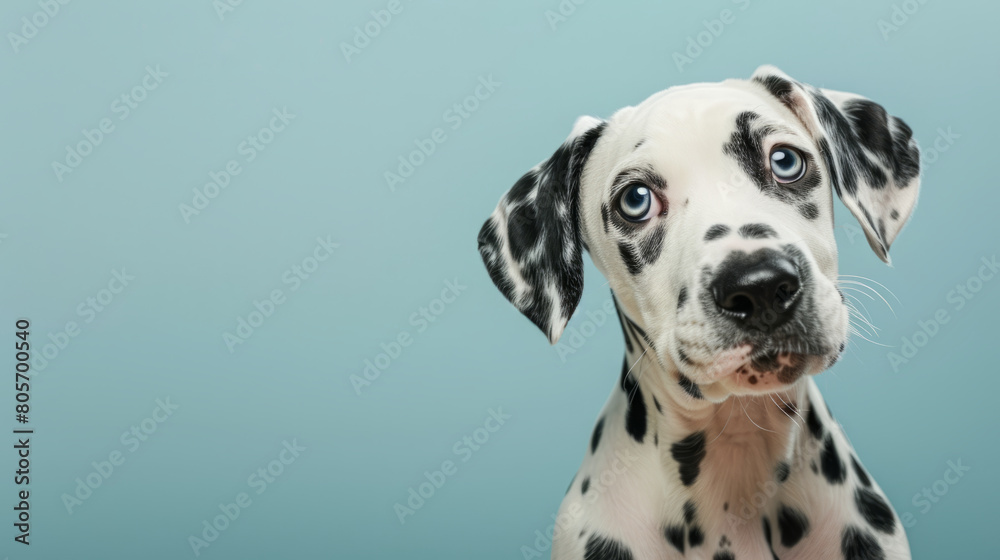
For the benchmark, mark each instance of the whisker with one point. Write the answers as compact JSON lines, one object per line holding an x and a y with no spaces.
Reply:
{"x":751,"y":419}
{"x":873,"y":290}
{"x":862,"y":292}
{"x":854,"y":299}
{"x":861,"y":327}
{"x":783,"y":411}
{"x":859,"y":335}
{"x":731,"y":407}
{"x":795,"y":409}
{"x":884,"y":287}
{"x":632,"y":396}
{"x":855,"y":314}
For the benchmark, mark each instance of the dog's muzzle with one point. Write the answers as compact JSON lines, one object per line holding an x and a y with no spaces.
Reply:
{"x":757,"y":292}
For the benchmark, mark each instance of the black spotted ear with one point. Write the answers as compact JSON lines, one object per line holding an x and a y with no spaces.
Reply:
{"x":870,"y":156}
{"x":531,"y":244}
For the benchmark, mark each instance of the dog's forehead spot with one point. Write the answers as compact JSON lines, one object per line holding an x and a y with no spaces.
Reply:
{"x":716,"y":231}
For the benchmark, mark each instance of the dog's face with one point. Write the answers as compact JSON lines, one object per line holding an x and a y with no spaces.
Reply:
{"x":709,"y":208}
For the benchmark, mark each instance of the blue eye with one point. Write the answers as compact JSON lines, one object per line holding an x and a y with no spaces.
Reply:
{"x":638,"y":204}
{"x":787,"y":165}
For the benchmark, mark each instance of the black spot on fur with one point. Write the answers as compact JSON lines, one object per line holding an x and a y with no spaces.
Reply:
{"x":746,"y":147}
{"x":639,"y":143}
{"x":767,"y":537}
{"x":689,"y":386}
{"x":723,"y":555}
{"x":757,"y":231}
{"x":623,"y":321}
{"x":688,"y":453}
{"x":600,"y":548}
{"x":782,"y":471}
{"x":684,"y":357}
{"x":630,"y":258}
{"x":887,"y":137}
{"x":830,"y":463}
{"x":857,"y":544}
{"x":716,"y":231}
{"x":657,"y":404}
{"x":778,"y":87}
{"x":675,"y":536}
{"x":812,"y":420}
{"x":596,"y":437}
{"x":792,"y":525}
{"x":605,"y":217}
{"x":894,"y":214}
{"x":637,"y":331}
{"x":695,"y":536}
{"x":875,"y":510}
{"x":848,"y":155}
{"x":651,"y":245}
{"x":585,"y":485}
{"x":535,"y":226}
{"x":635,"y":415}
{"x":682,"y":297}
{"x":656,"y":440}
{"x":689,"y":512}
{"x":859,"y":471}
{"x":809,"y":211}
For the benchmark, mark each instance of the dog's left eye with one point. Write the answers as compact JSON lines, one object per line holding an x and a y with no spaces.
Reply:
{"x":787,"y":165}
{"x":638,"y":204}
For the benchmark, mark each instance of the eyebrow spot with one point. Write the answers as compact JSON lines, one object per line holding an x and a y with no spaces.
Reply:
{"x":757,"y":231}
{"x":716,"y":231}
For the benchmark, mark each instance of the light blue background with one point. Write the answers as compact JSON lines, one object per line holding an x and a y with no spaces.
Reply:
{"x":323,"y":176}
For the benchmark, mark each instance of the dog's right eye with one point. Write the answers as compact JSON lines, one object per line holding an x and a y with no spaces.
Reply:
{"x":787,"y":164}
{"x":638,"y":203}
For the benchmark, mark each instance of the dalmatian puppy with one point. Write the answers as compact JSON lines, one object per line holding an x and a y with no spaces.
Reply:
{"x":709,"y":209}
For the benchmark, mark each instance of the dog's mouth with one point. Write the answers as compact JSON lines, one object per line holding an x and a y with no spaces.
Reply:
{"x":786,"y":366}
{"x":759,"y":368}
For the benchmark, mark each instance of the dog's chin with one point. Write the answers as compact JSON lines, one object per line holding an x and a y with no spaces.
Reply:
{"x":748,"y":370}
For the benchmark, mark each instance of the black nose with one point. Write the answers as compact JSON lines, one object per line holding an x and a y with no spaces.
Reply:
{"x":757,"y":290}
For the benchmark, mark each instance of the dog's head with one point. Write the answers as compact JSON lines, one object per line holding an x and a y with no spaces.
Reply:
{"x":709,"y":208}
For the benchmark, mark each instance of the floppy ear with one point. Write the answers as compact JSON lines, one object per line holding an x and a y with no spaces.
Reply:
{"x":871,"y":157}
{"x":531,"y":244}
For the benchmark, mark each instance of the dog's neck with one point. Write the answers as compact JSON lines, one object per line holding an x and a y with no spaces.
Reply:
{"x":746,"y":439}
